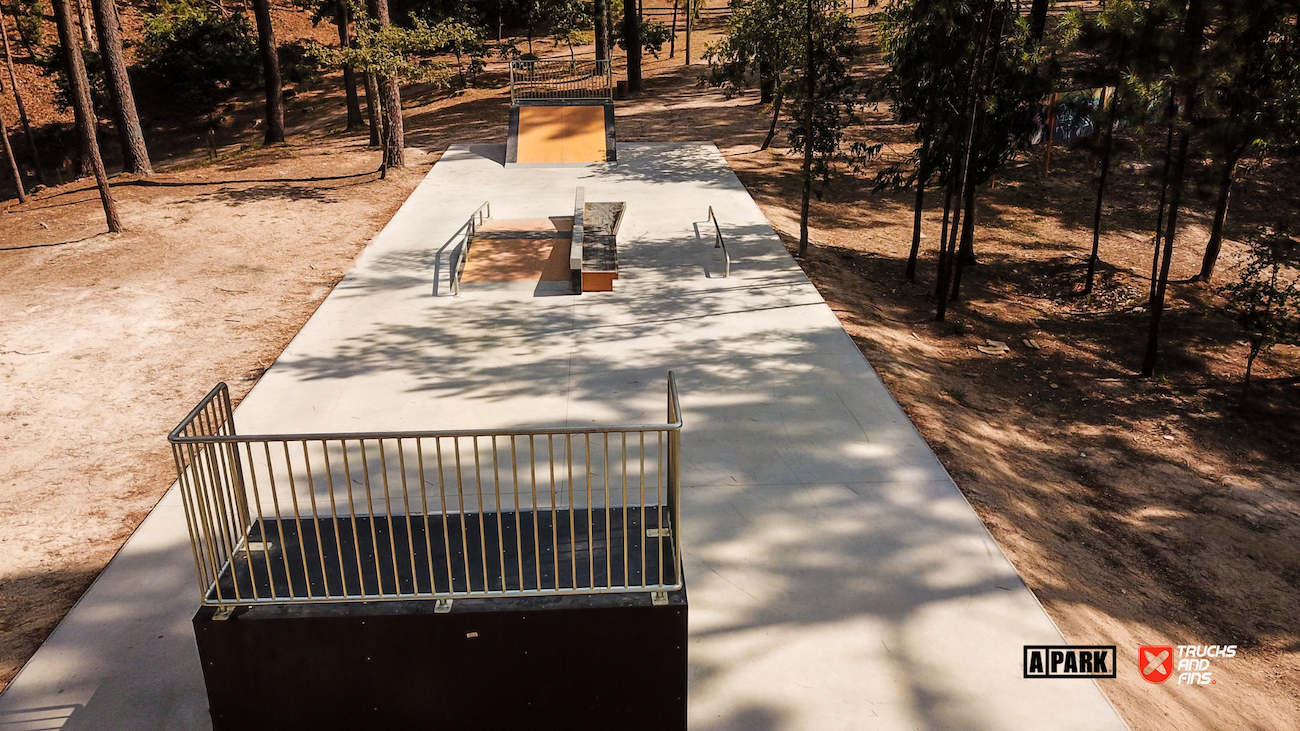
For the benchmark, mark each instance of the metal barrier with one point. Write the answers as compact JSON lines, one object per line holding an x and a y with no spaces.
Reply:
{"x":720,"y":243}
{"x":559,"y":81}
{"x":324,"y":518}
{"x":469,"y":228}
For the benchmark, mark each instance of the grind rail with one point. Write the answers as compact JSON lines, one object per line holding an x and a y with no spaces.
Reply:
{"x":372,"y":516}
{"x":559,"y":81}
{"x":720,"y":243}
{"x":465,"y":235}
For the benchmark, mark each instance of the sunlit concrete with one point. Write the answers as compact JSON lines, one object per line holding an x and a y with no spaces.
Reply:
{"x":837,"y":578}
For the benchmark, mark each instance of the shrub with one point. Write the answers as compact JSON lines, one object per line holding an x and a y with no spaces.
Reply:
{"x":297,"y":63}
{"x":197,"y":57}
{"x":1266,"y":297}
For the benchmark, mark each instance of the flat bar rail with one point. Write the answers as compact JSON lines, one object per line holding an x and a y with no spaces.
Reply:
{"x":720,"y":243}
{"x":558,"y":81}
{"x":466,"y":233}
{"x":375,"y":516}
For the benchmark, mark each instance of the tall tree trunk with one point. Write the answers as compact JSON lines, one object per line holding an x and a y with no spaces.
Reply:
{"x":948,"y":191}
{"x":602,"y":50}
{"x":922,"y":178}
{"x":672,"y":35}
{"x":79,"y":84}
{"x":1162,"y":280}
{"x":87,"y":22}
{"x":777,"y":99}
{"x":690,"y":23}
{"x":1101,"y":195}
{"x":966,"y":252}
{"x":1038,"y":21}
{"x":922,"y":174}
{"x":766,"y":82}
{"x":13,"y":164}
{"x":632,"y":38}
{"x":1215,"y":244}
{"x":1193,"y":37}
{"x":135,"y":156}
{"x":372,"y":109}
{"x":81,"y":103}
{"x":810,"y":90}
{"x":1160,"y":208}
{"x":266,"y":48}
{"x":394,"y":131}
{"x":18,"y":99}
{"x":349,"y":76}
{"x":972,"y":103}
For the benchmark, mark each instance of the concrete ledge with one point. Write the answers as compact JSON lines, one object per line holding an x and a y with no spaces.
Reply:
{"x":575,"y":245}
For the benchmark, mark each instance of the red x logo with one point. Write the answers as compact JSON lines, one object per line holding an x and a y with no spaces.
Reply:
{"x":1156,"y":662}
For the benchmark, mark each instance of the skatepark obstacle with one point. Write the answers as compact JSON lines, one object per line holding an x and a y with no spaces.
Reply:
{"x":313,"y":551}
{"x":561,"y":113}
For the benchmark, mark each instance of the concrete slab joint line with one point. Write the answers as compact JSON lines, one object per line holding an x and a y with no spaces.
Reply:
{"x":838,"y":577}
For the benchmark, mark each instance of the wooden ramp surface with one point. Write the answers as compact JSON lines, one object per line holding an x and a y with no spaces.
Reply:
{"x":561,"y":134}
{"x":520,"y":251}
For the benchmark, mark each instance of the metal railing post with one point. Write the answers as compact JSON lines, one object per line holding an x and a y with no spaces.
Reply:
{"x":675,"y":475}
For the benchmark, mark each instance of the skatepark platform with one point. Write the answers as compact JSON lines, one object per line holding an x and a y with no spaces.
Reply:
{"x":505,"y":664}
{"x":839,"y":579}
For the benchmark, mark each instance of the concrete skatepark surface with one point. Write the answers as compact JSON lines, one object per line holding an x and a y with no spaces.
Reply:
{"x":837,"y":577}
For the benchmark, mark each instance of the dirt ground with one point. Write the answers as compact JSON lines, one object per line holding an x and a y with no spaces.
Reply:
{"x":1140,"y":512}
{"x":107,"y":339}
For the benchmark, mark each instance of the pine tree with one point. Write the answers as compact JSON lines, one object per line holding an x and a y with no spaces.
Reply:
{"x":827,"y":96}
{"x":9,"y":157}
{"x":632,"y":42}
{"x":342,"y":19}
{"x":1188,"y":84}
{"x":394,"y":131}
{"x":85,"y":113}
{"x":762,"y":37}
{"x":135,"y":155}
{"x":267,"y":49}
{"x":18,"y":100}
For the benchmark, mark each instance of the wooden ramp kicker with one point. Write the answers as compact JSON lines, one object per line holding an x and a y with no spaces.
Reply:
{"x":546,"y":135}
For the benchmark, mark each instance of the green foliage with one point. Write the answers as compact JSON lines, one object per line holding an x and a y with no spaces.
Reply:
{"x":95,"y":75}
{"x":402,"y":53}
{"x":836,"y":95}
{"x":197,"y":58}
{"x":654,"y":36}
{"x":570,"y":22}
{"x":28,"y":16}
{"x":467,"y":43}
{"x":1265,"y":299}
{"x":297,"y":64}
{"x":1252,"y":93}
{"x":930,"y":48}
{"x":761,"y":36}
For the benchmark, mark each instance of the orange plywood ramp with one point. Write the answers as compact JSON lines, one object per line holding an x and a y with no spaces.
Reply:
{"x":520,"y":252}
{"x":561,"y":134}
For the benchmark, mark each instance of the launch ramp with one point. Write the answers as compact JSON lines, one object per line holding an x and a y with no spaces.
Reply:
{"x":561,"y":113}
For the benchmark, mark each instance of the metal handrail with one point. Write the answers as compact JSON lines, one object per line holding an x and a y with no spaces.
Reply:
{"x":470,"y":227}
{"x":720,"y":243}
{"x":559,"y":80}
{"x":376,"y":516}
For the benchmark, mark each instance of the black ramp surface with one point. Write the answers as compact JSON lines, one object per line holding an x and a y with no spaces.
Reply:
{"x":343,"y":556}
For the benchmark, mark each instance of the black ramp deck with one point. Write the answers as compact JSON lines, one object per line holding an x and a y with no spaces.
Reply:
{"x":345,"y":557}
